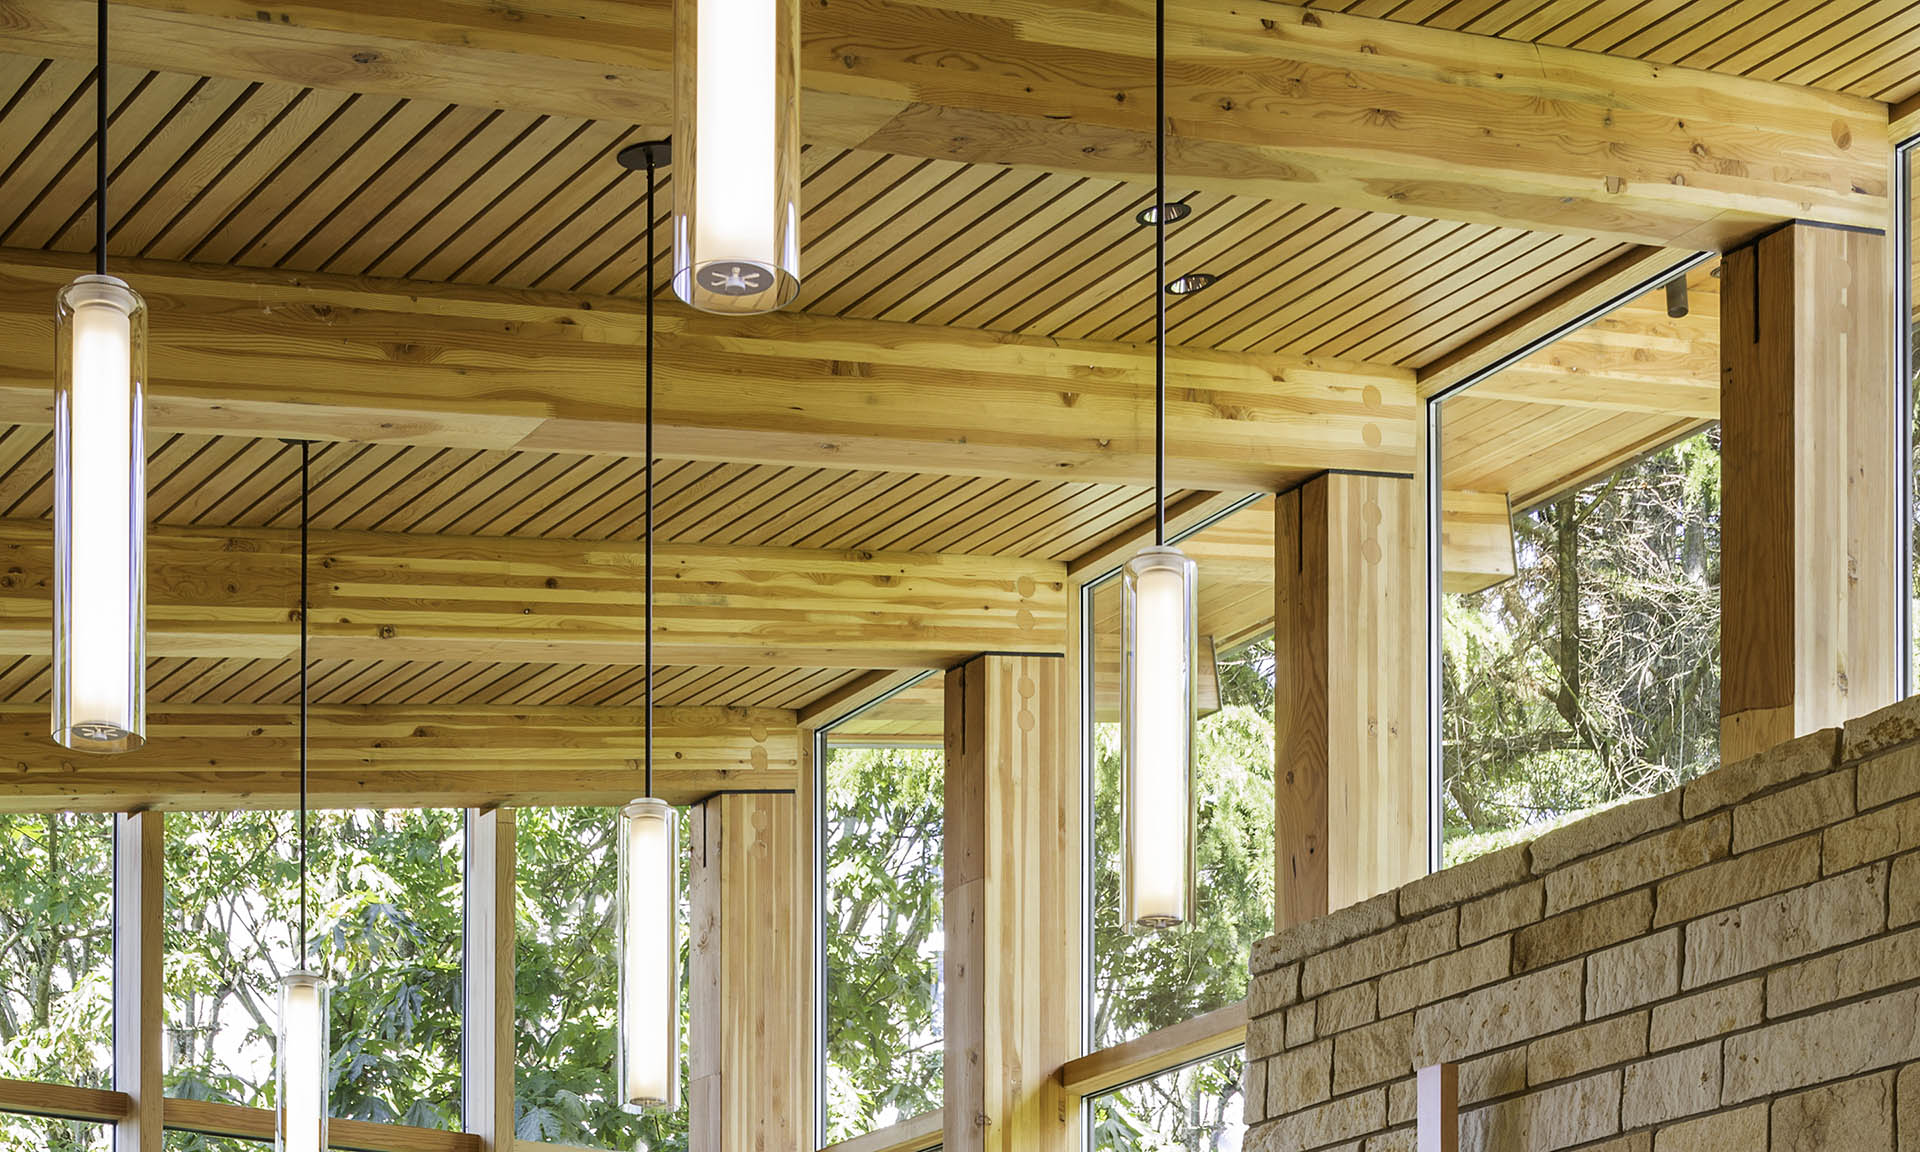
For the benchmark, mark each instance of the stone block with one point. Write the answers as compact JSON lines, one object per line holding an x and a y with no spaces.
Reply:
{"x":1271,"y":991}
{"x":1846,"y":1041}
{"x":1324,"y":932}
{"x":1373,"y":1055}
{"x":1744,"y":1130}
{"x":1445,"y":976}
{"x":1802,"y":808}
{"x":1855,"y":1115}
{"x":1300,"y":1028}
{"x":1345,"y":1008}
{"x":1806,"y":756}
{"x":1403,"y":1103}
{"x":1403,"y":1140}
{"x":1587,"y":929}
{"x":1891,"y":726}
{"x":1629,"y":975}
{"x":1882,"y":962}
{"x":1265,"y":1036}
{"x":1507,"y":1013}
{"x":1300,"y":1079}
{"x":1785,"y":927}
{"x":1903,"y":892}
{"x":1681,"y":1083}
{"x":1715,"y":1012}
{"x":1691,"y":895}
{"x":1398,"y":947}
{"x":1502,"y":912}
{"x":1565,"y":1055}
{"x":1644,"y":861}
{"x":1909,"y":1108}
{"x":1490,"y":1077}
{"x":1253,"y":1083}
{"x":1604,"y":830}
{"x":1347,"y":1118}
{"x":1878,"y":834}
{"x":1894,"y":776}
{"x":1638,"y":1142}
{"x":1466,"y":881}
{"x":1568,"y":1114}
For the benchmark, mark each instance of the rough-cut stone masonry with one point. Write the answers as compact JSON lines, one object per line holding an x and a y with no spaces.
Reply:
{"x":1732,"y":966}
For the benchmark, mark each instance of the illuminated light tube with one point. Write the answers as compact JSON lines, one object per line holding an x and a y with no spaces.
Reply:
{"x":1157,"y":673}
{"x":649,"y":956}
{"x":300,"y":1065}
{"x":736,"y":144}
{"x":99,"y":517}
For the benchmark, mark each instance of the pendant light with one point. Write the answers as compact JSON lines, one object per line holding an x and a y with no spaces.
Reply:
{"x":300,"y":1052}
{"x":1158,"y":611}
{"x":100,"y":489}
{"x":736,"y":194}
{"x":649,"y":1061}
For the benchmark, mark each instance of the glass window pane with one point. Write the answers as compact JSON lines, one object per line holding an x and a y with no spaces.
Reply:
{"x":56,"y":956}
{"x":1909,"y":171}
{"x":885,"y":789}
{"x":1192,"y":1109}
{"x":47,"y":1134}
{"x":1591,"y":674}
{"x":1141,"y":983}
{"x":567,"y":985}
{"x":386,"y":924}
{"x":177,"y":1140}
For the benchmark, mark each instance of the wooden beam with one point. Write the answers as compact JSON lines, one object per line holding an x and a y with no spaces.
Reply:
{"x":1208,"y":1034}
{"x":751,"y":1056}
{"x":388,"y":757}
{"x":228,"y":593}
{"x":332,"y":358}
{"x":1904,"y":120}
{"x":37,"y":1098}
{"x":1350,"y":791}
{"x":139,"y":994}
{"x":216,"y":1118}
{"x":1012,"y":981}
{"x":1809,"y":448}
{"x":1376,"y":114}
{"x":918,"y":1134}
{"x":1476,"y":542}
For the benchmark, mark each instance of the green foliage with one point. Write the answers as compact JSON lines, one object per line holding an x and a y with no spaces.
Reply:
{"x":884,"y":812}
{"x":567,"y":986}
{"x":1192,"y":1109}
{"x":45,"y":1134}
{"x":1593,"y":676}
{"x":385,"y":924}
{"x":56,"y":952}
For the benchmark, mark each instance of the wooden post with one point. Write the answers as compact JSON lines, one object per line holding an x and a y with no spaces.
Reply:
{"x":139,"y":917}
{"x":487,"y":1054}
{"x":1350,"y":644}
{"x":1012,"y":880}
{"x":1438,"y":1089}
{"x":1809,"y":593}
{"x":750,"y":1052}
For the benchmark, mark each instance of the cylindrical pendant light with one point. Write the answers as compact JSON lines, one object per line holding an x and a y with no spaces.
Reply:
{"x":736,"y":190}
{"x":649,"y":1058}
{"x":300,"y":1054}
{"x":100,"y":491}
{"x":1159,"y":637}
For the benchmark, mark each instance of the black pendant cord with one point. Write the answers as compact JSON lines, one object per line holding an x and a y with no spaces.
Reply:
{"x":648,"y":748}
{"x":100,"y":148}
{"x":306,"y":453}
{"x":1160,"y":272}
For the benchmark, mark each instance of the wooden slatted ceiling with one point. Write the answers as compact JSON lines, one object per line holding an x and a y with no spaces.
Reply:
{"x":1869,"y":48}
{"x":298,"y":179}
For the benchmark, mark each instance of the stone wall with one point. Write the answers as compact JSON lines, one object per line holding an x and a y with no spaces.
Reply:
{"x":1734,"y":965}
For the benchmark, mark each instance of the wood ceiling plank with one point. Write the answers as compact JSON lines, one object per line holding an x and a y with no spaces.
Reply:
{"x":1226,"y":241}
{"x":1421,"y":290}
{"x":936,"y":221}
{"x":1564,"y":261}
{"x":55,"y":181}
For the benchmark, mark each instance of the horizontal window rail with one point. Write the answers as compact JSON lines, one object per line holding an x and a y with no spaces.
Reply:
{"x":1221,"y":1030}
{"x":218,"y":1119}
{"x":35,"y":1098}
{"x":918,"y":1134}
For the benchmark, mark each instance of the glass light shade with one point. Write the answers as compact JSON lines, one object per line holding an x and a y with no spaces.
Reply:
{"x":1158,"y":609}
{"x":99,"y":516}
{"x":736,"y":146}
{"x":300,"y":1065}
{"x":649,"y":956}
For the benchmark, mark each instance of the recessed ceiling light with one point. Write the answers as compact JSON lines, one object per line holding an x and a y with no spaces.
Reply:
{"x":1176,"y":211}
{"x":1190,"y":283}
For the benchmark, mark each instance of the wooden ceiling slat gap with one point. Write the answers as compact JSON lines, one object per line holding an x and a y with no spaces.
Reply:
{"x":1072,"y":263}
{"x":1750,"y":36}
{"x":502,"y":470}
{"x":19,"y":78}
{"x":1007,"y":497}
{"x":440,"y":682}
{"x":571,"y":203}
{"x":422,"y":471}
{"x":62,"y":188}
{"x":1120,"y":253}
{"x":840,"y":496}
{"x":310,"y":178}
{"x":750,"y":525}
{"x":610,"y":272}
{"x":324,"y":472}
{"x":19,"y":675}
{"x":547,"y":686}
{"x":966,"y":203}
{"x":214,"y":680}
{"x":177,"y":679}
{"x":426,"y":183}
{"x":772,"y":487}
{"x":483,"y":518}
{"x":465,"y":470}
{"x":1220,"y":239}
{"x":1570,"y":257}
{"x":684,"y":481}
{"x":56,"y":114}
{"x":1656,"y":30}
{"x":183,"y":485}
{"x":1120,"y":516}
{"x":390,"y":684}
{"x":273,"y":466}
{"x":1417,"y":291}
{"x":687,"y":518}
{"x":1850,"y":56}
{"x":1356,"y":275}
{"x":1263,"y":288}
{"x":355,"y":479}
{"x":876,"y":503}
{"x":29,"y":466}
{"x":1244,"y":257}
{"x":1093,"y":504}
{"x":621,"y":489}
{"x":878,"y":186}
{"x":625,"y":683}
{"x":1052,"y":503}
{"x":1515,"y":250}
{"x":248,"y":681}
{"x":337,"y":684}
{"x":1704,"y":30}
{"x":952,"y":503}
{"x":437,"y":194}
{"x":929,"y":197}
{"x":552,"y":502}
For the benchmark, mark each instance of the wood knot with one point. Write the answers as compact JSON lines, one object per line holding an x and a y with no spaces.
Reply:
{"x":388,"y":632}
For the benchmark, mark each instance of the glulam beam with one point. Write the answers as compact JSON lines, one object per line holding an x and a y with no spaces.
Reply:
{"x":335,"y":358}
{"x":1271,"y":100}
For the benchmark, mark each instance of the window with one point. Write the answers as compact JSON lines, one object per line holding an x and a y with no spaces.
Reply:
{"x":180,"y":1140}
{"x":1192,"y":1109}
{"x":883,"y":792}
{"x":567,"y":985}
{"x":1907,"y":166}
{"x":51,"y":1134}
{"x":386,"y":924}
{"x":1142,"y":983}
{"x":1580,"y":629}
{"x":56,"y":951}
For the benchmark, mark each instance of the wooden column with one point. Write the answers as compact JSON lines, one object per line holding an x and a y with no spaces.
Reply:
{"x":1012,"y":886}
{"x":1809,"y":591}
{"x":1350,"y":643}
{"x":750,"y":1054}
{"x":139,"y":916}
{"x":487,"y":1055}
